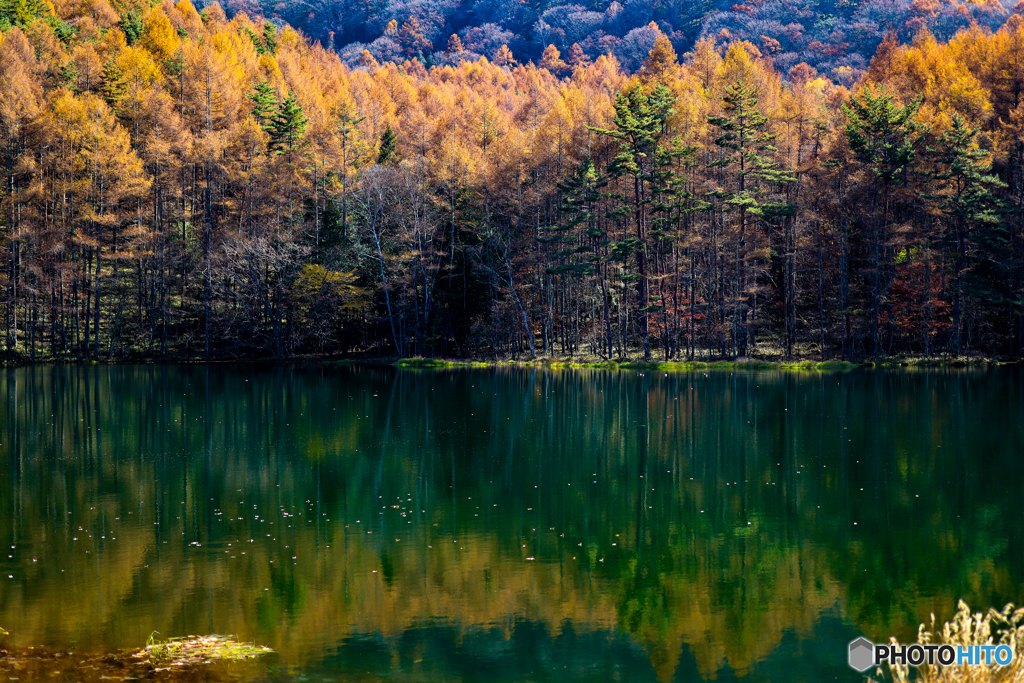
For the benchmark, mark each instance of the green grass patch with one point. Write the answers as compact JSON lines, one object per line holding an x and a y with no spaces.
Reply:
{"x":191,"y":650}
{"x":439,"y":363}
{"x":422,"y":363}
{"x":760,"y":365}
{"x":931,"y":362}
{"x":689,"y":366}
{"x":836,"y":365}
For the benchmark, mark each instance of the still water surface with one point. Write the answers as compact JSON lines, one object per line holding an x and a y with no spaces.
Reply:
{"x":373,"y":524}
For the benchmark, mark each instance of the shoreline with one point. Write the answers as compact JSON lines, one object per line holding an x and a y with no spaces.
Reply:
{"x":685,"y":366}
{"x":555,"y":363}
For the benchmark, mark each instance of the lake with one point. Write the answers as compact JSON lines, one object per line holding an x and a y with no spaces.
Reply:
{"x":375,"y":524}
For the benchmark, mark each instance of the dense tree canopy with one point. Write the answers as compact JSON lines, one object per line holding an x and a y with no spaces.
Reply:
{"x":835,"y":38}
{"x":178,"y":184}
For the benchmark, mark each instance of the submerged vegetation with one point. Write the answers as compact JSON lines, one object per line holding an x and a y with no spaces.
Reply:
{"x":192,"y":650}
{"x":176,"y":659}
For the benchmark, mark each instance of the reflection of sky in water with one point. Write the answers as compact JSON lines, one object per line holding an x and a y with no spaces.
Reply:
{"x":507,"y":525}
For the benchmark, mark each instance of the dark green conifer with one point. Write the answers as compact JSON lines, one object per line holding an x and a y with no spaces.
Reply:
{"x":131,"y":24}
{"x":270,"y":38}
{"x":968,"y":199}
{"x":884,"y":137}
{"x":256,"y":41}
{"x":751,"y":176}
{"x":640,"y":121}
{"x":883,"y":134}
{"x":265,"y":103}
{"x":388,"y":146}
{"x":68,"y":75}
{"x":287,"y":125}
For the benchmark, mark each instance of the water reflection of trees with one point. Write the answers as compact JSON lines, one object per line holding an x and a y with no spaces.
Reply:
{"x":703,"y":514}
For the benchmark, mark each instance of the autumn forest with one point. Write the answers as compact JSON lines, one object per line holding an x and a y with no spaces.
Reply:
{"x":178,"y":184}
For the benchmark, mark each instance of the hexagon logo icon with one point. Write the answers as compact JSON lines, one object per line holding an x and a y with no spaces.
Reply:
{"x":862,"y":654}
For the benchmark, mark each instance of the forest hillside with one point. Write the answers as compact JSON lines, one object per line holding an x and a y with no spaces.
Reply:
{"x":836,"y":38}
{"x":180,"y":184}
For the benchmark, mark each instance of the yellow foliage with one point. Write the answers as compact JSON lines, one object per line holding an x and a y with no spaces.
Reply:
{"x":939,"y":73}
{"x":49,"y":49}
{"x":159,"y":36}
{"x":213,"y":15}
{"x":189,"y":16}
{"x":99,"y":11}
{"x":316,"y":283}
{"x":111,"y":44}
{"x":88,"y":63}
{"x":289,"y":38}
{"x":271,"y":71}
{"x":819,"y":85}
{"x":692,"y":106}
{"x":738,"y":64}
{"x":661,"y":62}
{"x":139,"y":67}
{"x":100,"y":149}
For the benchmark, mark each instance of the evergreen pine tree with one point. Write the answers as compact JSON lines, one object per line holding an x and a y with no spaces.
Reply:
{"x":968,"y":199}
{"x":264,"y":103}
{"x":746,"y":155}
{"x":884,"y":137}
{"x":131,"y":24}
{"x":640,"y":120}
{"x":582,"y":195}
{"x":68,"y":75}
{"x":883,"y":134}
{"x":388,"y":146}
{"x":287,"y":126}
{"x":579,"y":206}
{"x":270,"y":38}
{"x":256,"y":41}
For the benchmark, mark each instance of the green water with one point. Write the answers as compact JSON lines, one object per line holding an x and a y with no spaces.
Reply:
{"x":373,"y":524}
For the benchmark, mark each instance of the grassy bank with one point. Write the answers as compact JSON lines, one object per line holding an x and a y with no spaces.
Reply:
{"x":685,"y":366}
{"x":630,"y":363}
